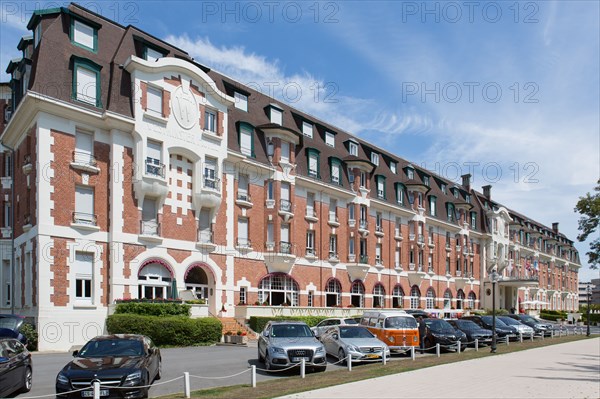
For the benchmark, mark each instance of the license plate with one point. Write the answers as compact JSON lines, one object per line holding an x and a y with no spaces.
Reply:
{"x":90,"y":394}
{"x":299,"y":359}
{"x":373,"y":356}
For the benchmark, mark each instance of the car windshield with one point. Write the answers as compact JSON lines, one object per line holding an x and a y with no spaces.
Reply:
{"x":529,"y":319}
{"x":510,"y":321}
{"x":350,"y":321}
{"x":9,"y":322}
{"x":439,"y":325}
{"x":400,"y":322}
{"x":112,"y":348}
{"x":355,"y":332}
{"x":488,"y":320}
{"x":290,"y":331}
{"x":466,"y":324}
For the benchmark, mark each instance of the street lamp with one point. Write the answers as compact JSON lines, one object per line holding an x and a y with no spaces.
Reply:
{"x":589,"y":305}
{"x":494,"y":277}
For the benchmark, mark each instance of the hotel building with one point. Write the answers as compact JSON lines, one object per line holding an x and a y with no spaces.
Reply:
{"x":132,"y":171}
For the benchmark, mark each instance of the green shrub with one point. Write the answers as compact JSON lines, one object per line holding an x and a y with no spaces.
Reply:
{"x":258,"y":323}
{"x":153,"y":309}
{"x":170,"y":330}
{"x":553,"y":315}
{"x":30,"y":332}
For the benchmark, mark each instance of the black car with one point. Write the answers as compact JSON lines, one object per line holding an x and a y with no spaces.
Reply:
{"x":15,"y":367}
{"x":502,"y":330}
{"x":538,"y":326}
{"x":417,"y":312}
{"x":439,"y":331}
{"x":473,"y":331}
{"x":10,"y":327}
{"x":123,"y":364}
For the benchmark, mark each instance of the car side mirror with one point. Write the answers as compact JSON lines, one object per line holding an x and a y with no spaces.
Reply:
{"x":265,"y":333}
{"x":75,"y":353}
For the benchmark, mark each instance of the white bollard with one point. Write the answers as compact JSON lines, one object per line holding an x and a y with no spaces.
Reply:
{"x":507,"y":340}
{"x":412,"y":353}
{"x":384,"y":359}
{"x":521,"y":337}
{"x":458,"y":343}
{"x":253,"y":376}
{"x":186,"y":384}
{"x":437,"y":350}
{"x":543,"y":333}
{"x":349,"y":362}
{"x":96,"y":390}
{"x":476,"y":345}
{"x":302,"y":368}
{"x":531,"y":336}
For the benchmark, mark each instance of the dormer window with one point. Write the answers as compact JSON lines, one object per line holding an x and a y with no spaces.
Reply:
{"x":394,"y":167}
{"x":84,"y":35}
{"x":307,"y":129}
{"x":86,"y":81}
{"x":313,"y":163}
{"x":380,"y":187}
{"x":151,"y":54}
{"x":276,"y":115}
{"x":375,"y":158}
{"x":432,"y":205}
{"x":241,"y":101}
{"x":450,"y":210}
{"x":455,"y":190}
{"x":37,"y":34}
{"x":468,"y":198}
{"x":353,"y":148}
{"x":410,"y":172}
{"x":426,"y":180}
{"x":330,"y":139}
{"x":443,"y":188}
{"x":400,"y":193}
{"x":336,"y":171}
{"x":350,"y":176}
{"x":246,"y":139}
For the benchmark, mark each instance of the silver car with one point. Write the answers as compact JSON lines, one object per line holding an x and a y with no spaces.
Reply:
{"x":285,"y":343}
{"x":521,"y":328}
{"x":356,"y":341}
{"x":326,"y":324}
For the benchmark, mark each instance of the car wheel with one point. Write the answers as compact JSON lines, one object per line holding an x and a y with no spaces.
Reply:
{"x":342,"y":357}
{"x":159,"y":371}
{"x":27,"y":380}
{"x":146,"y":391}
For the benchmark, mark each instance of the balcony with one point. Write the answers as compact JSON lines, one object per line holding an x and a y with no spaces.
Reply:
{"x":27,"y":222}
{"x":270,"y":246}
{"x":363,"y":227}
{"x":398,"y":267}
{"x":421,"y":240}
{"x":87,"y":221}
{"x":281,"y":259}
{"x":27,"y":165}
{"x":333,"y":220}
{"x":285,"y":209}
{"x":152,"y":181}
{"x":351,"y":258}
{"x":270,"y":203}
{"x":150,"y":230}
{"x":205,"y":240}
{"x":363,"y":259}
{"x":359,"y":270}
{"x":243,"y":199}
{"x":397,"y":235}
{"x":430,"y":242}
{"x":310,"y":254}
{"x":243,"y":245}
{"x":457,"y":248}
{"x":311,"y":215}
{"x":448,"y":247}
{"x":351,"y":222}
{"x":460,"y":280}
{"x":84,"y":161}
{"x":155,"y":169}
{"x":411,"y":236}
{"x":415,"y":273}
{"x":378,"y":262}
{"x":210,"y":193}
{"x":379,"y":231}
{"x":333,"y":257}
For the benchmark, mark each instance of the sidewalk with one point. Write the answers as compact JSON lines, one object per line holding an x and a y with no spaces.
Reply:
{"x":570,"y":370}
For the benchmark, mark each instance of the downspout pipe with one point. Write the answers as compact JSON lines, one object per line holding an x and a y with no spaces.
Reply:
{"x":12,"y":225}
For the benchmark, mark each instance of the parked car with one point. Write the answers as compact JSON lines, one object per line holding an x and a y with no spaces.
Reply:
{"x":10,"y":327}
{"x":324,"y":325}
{"x":522,"y":329}
{"x":502,"y":330}
{"x":472,"y":331}
{"x":123,"y":363}
{"x":439,"y":331}
{"x":285,"y":343}
{"x":16,"y":370}
{"x":356,"y":341}
{"x":398,"y":329}
{"x":417,"y":312}
{"x":538,"y":326}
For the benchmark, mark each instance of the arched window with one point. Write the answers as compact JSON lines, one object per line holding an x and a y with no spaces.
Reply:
{"x":378,"y":296}
{"x":278,"y":289}
{"x":196,"y":280}
{"x":154,"y":281}
{"x":398,"y":297}
{"x":471,"y":300}
{"x":460,"y":298}
{"x":415,"y":297}
{"x":333,"y":293}
{"x":430,"y":299}
{"x":447,"y":299}
{"x":357,"y":294}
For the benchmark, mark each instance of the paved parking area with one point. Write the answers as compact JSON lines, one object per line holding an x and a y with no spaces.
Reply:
{"x":570,"y":370}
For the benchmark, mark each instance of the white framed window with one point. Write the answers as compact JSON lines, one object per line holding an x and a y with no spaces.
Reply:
{"x":351,"y":249}
{"x":154,"y":159}
{"x":241,"y":101}
{"x":285,"y":151}
{"x":152,"y":54}
{"x":87,"y":85}
{"x":243,"y":297}
{"x":205,"y":226}
{"x":310,"y":242}
{"x":243,"y":232}
{"x":394,"y":167}
{"x":84,"y":272}
{"x":271,"y":233}
{"x":84,"y":206}
{"x":313,"y":165}
{"x":210,"y":120}
{"x":426,"y":180}
{"x":149,"y":223}
{"x":285,"y":245}
{"x":378,"y":259}
{"x":378,"y":296}
{"x":307,"y":129}
{"x":84,"y":34}
{"x":350,"y":176}
{"x":410,"y":173}
{"x":443,"y":188}
{"x":381,"y":187}
{"x":415,"y":297}
{"x":154,"y":282}
{"x":332,"y":245}
{"x":336,"y":173}
{"x":37,"y":34}
{"x":7,"y":164}
{"x":154,"y":100}
{"x":7,"y":214}
{"x":398,"y":297}
{"x":243,"y":183}
{"x":270,"y":193}
{"x":246,"y":145}
{"x":210,"y":174}
{"x":397,"y":258}
{"x":432,"y":205}
{"x":351,"y":212}
{"x":275,"y":290}
{"x":276,"y":116}
{"x":84,"y":148}
{"x":6,"y":277}
{"x":330,"y":139}
{"x":375,"y":158}
{"x":353,"y":148}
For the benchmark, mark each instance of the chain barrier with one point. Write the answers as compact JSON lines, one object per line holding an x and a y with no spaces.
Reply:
{"x":141,"y":386}
{"x":222,"y":377}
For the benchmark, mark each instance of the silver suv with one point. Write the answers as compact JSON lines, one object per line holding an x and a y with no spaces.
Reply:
{"x":285,"y":343}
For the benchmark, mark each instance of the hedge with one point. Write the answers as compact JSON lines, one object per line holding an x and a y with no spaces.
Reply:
{"x":170,"y":330}
{"x":30,"y":332}
{"x":258,"y":323}
{"x":553,"y":315}
{"x":153,"y":309}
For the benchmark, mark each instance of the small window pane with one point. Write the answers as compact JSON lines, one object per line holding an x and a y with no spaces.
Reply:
{"x":83,"y":34}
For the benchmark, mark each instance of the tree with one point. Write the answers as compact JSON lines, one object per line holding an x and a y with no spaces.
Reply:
{"x":589,"y":209}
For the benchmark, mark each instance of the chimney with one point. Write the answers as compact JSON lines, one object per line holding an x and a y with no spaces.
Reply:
{"x":487,"y":191}
{"x":466,"y":181}
{"x":555,"y":227}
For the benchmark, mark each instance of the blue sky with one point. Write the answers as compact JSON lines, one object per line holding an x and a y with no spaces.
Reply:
{"x":508,"y":91}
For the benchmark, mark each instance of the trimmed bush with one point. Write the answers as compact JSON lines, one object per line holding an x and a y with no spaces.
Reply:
{"x":258,"y":323}
{"x":30,"y":332}
{"x":167,"y":331}
{"x":553,"y":315}
{"x":153,"y":309}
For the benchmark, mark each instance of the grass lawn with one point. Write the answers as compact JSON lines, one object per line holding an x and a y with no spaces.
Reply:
{"x":293,"y":384}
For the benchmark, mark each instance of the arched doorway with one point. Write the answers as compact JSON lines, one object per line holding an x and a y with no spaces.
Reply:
{"x":333,"y":293}
{"x":357,"y":294}
{"x":460,"y":299}
{"x":278,"y":289}
{"x":198,"y":281}
{"x":155,"y":281}
{"x":398,"y":297}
